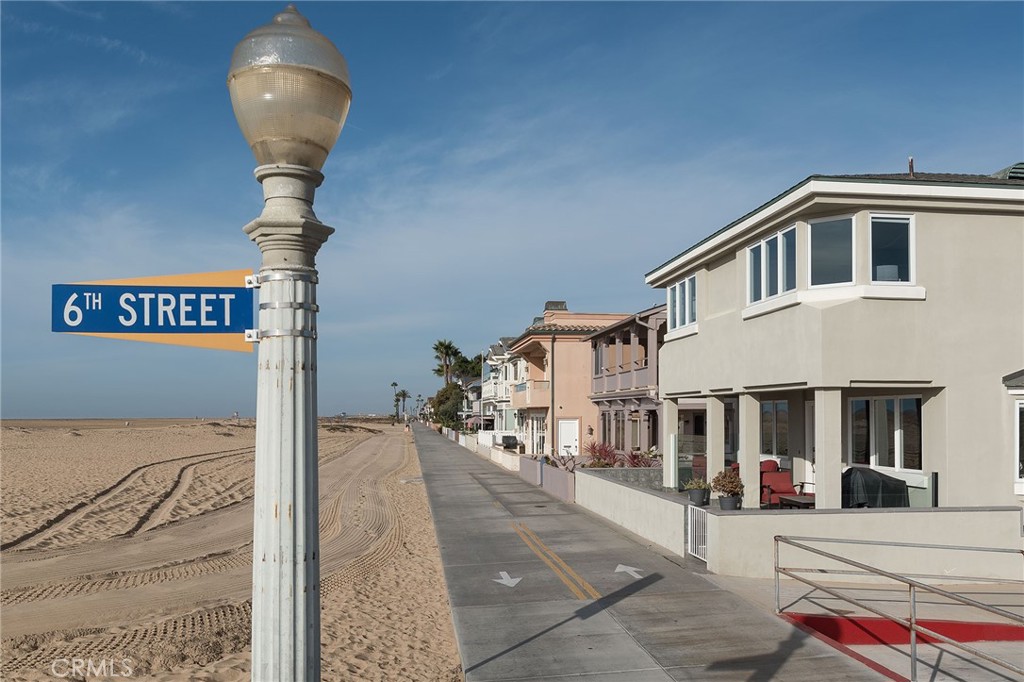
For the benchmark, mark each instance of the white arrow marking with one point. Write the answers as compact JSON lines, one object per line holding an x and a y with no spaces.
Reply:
{"x":635,"y":572}
{"x":507,"y":580}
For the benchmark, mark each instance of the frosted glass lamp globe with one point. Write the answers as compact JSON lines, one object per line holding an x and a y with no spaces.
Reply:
{"x":290,"y":91}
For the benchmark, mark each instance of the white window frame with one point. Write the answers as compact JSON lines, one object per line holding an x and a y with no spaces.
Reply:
{"x":1018,"y":482}
{"x":853,"y":251}
{"x":780,"y":261}
{"x":911,"y":246}
{"x":681,"y":314}
{"x":898,"y":435}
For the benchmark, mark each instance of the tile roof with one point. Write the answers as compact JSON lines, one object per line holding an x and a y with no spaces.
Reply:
{"x":565,"y":328}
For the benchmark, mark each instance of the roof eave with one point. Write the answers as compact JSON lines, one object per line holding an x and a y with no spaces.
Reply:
{"x":817,"y":186}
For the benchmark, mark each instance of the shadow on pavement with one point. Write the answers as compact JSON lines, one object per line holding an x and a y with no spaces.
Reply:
{"x":583,"y":613}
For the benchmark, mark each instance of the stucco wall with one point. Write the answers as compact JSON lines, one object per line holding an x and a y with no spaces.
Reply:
{"x":742,"y":544}
{"x":572,"y":386}
{"x":505,"y":459}
{"x":952,"y":348}
{"x":651,"y":517}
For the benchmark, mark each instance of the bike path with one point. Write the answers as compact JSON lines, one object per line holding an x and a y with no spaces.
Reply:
{"x":542,"y":590}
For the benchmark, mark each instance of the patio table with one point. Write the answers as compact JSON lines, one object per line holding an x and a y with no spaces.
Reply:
{"x":796,"y":501}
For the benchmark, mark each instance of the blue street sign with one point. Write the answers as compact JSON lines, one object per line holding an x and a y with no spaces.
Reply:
{"x":138,"y":309}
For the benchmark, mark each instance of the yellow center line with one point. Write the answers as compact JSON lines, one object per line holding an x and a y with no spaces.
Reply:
{"x":561,"y":576}
{"x":555,"y":563}
{"x":587,"y":587}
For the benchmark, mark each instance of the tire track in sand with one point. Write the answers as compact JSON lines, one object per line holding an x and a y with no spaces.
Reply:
{"x":191,"y":569}
{"x":385,"y":520}
{"x":161,"y":511}
{"x":204,"y":626}
{"x":73,"y":514}
{"x":225,"y":627}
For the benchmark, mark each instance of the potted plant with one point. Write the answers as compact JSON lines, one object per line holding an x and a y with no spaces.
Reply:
{"x":729,"y":488}
{"x":699,"y":491}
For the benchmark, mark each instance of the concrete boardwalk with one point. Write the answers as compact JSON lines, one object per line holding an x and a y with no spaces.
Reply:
{"x":542,"y":590}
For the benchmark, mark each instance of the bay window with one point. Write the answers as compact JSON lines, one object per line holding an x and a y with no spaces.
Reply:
{"x":885,"y":431}
{"x":682,"y":303}
{"x":771,"y":266}
{"x":831,"y":251}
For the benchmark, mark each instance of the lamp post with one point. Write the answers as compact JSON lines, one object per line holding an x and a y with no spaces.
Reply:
{"x":290,"y":92}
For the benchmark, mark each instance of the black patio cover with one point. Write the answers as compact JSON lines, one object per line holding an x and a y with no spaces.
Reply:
{"x":863,"y":487}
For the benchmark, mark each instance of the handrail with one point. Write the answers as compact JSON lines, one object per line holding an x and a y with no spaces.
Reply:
{"x":914,"y":585}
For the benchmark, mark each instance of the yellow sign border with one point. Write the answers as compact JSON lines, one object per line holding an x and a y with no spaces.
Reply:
{"x":234,"y":342}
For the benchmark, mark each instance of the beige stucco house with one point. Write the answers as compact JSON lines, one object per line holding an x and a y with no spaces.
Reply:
{"x":552,"y":410}
{"x":860,"y":321}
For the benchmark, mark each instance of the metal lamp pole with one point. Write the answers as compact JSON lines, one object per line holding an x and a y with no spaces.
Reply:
{"x":290,"y":92}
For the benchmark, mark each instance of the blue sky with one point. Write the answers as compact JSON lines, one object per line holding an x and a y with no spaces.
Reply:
{"x":497,"y":155}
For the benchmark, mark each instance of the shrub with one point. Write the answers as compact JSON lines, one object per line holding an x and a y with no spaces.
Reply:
{"x":567,"y":462}
{"x":642,"y":460}
{"x":696,"y":484}
{"x":727,"y":483}
{"x":600,"y":455}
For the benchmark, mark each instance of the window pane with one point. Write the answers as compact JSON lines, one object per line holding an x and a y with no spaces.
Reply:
{"x":890,"y":250}
{"x":729,"y":431}
{"x":755,"y":273}
{"x":1020,"y":441}
{"x":767,"y":428}
{"x":885,"y":432}
{"x":672,"y":307}
{"x":789,"y":260}
{"x":682,"y":303}
{"x":781,"y":428}
{"x":692,"y":308}
{"x":832,"y":252}
{"x":910,"y":424}
{"x":771,"y":265}
{"x":860,"y":432}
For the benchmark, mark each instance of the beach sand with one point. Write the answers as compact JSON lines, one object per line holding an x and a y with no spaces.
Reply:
{"x":130,"y":546}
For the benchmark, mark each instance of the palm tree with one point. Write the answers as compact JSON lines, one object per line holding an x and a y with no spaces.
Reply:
{"x":446,"y":353}
{"x":394,"y":387}
{"x":402,"y":395}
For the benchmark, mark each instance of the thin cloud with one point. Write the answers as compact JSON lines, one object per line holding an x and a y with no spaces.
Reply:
{"x":99,"y":42}
{"x":77,"y":9}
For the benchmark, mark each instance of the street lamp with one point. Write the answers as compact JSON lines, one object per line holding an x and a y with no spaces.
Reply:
{"x":290,"y":92}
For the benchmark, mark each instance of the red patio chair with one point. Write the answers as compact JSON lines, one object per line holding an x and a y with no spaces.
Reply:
{"x":775,"y":483}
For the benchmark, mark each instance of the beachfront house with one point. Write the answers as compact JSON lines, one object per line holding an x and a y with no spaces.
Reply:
{"x":860,"y":321}
{"x":550,"y":399}
{"x":859,"y":324}
{"x":624,"y":367}
{"x":498,"y":379}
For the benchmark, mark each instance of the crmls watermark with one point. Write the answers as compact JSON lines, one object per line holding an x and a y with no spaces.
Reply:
{"x":87,"y":667}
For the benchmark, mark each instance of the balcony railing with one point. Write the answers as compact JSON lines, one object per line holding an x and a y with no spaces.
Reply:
{"x":623,"y":379}
{"x":532,"y":393}
{"x":496,"y":390}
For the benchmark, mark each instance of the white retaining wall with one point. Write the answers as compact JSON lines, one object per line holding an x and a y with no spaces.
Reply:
{"x":742,"y":543}
{"x":653,"y":518}
{"x":505,"y":459}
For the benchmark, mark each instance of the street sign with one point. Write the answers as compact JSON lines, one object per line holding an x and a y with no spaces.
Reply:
{"x":205,"y":310}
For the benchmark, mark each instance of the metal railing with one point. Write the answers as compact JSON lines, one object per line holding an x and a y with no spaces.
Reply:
{"x":914,"y":586}
{"x":697,"y":532}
